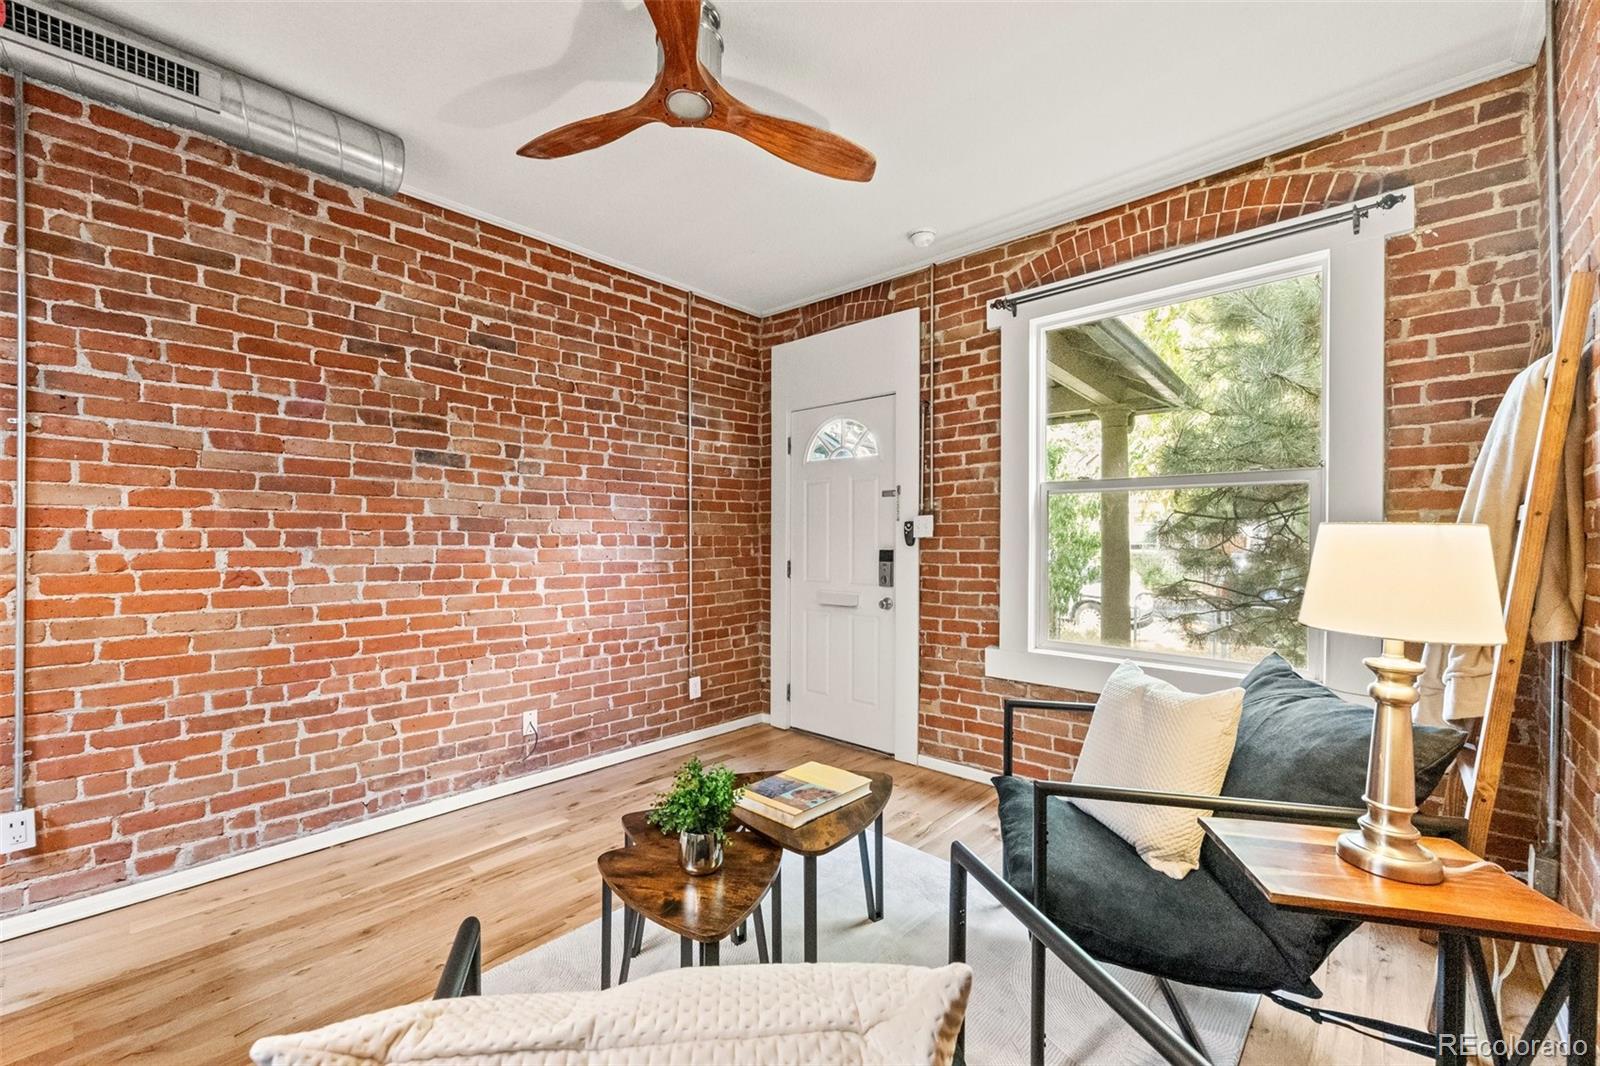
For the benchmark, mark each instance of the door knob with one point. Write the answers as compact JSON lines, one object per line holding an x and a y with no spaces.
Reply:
{"x":885,"y":603}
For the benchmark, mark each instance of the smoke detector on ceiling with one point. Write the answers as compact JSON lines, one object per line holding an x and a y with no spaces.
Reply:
{"x":921,"y":238}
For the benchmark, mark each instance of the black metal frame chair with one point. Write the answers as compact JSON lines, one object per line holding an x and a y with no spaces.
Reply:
{"x":1187,"y":1048}
{"x":463,"y":970}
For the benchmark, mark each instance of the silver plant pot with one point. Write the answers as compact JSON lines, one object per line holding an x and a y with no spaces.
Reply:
{"x":700,"y":853}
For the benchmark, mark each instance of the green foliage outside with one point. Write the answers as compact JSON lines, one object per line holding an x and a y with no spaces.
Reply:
{"x":700,"y":800}
{"x":1226,"y":564}
{"x":1074,"y":528}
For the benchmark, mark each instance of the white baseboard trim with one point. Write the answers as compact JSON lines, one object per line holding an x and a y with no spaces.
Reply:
{"x":166,"y":884}
{"x":954,"y":769}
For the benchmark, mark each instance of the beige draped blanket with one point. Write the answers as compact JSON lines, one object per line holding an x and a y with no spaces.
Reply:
{"x":1456,"y":684}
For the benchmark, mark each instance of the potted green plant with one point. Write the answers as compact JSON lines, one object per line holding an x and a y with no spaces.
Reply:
{"x":697,"y":808}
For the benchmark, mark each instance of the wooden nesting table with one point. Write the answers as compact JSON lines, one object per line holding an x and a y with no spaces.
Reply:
{"x":704,"y":909}
{"x":644,"y":873}
{"x":819,"y":837}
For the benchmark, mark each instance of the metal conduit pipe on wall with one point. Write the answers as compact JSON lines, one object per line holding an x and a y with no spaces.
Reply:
{"x":1545,"y":856}
{"x":688,"y":455}
{"x":19,"y":529}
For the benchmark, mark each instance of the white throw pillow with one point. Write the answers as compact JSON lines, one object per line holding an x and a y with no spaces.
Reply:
{"x":1146,"y":733}
{"x":852,"y":1014}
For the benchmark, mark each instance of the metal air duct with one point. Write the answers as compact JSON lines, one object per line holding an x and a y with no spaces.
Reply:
{"x":87,"y":55}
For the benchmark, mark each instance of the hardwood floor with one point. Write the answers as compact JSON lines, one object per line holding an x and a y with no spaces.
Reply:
{"x":196,"y":976}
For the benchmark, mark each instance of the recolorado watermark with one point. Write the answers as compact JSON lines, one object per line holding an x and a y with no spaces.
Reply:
{"x":1521,"y":1049}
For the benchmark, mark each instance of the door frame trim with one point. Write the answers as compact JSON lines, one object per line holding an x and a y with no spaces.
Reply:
{"x":814,"y":372}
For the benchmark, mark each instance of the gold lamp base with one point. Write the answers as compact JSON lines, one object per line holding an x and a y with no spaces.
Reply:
{"x":1386,"y":844}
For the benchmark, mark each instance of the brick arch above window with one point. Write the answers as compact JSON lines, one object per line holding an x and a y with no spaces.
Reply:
{"x":1188,"y":216}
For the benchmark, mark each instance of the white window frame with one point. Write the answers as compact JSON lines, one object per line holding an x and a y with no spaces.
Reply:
{"x":1349,"y":487}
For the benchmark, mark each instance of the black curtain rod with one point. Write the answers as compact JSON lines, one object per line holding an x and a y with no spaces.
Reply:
{"x":1353,"y":215}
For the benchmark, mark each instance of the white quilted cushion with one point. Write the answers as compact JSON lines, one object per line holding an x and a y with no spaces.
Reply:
{"x":1145,"y":733}
{"x":827,"y":1013}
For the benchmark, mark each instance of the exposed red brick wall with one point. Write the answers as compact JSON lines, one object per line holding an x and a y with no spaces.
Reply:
{"x":1578,"y":131}
{"x":327,"y":488}
{"x":1463,"y":303}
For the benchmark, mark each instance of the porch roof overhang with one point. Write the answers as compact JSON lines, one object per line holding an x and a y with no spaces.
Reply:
{"x":1103,"y":365}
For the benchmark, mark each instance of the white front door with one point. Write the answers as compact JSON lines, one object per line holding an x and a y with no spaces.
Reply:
{"x":842,"y":523}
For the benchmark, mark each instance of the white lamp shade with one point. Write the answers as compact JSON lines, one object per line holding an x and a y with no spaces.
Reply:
{"x":1431,"y":582}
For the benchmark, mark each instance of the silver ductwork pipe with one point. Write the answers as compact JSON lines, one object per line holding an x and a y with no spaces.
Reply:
{"x":87,"y":55}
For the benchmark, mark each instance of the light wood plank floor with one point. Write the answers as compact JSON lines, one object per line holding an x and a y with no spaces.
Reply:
{"x":196,"y":976}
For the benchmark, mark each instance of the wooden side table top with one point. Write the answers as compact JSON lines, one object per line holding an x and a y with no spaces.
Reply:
{"x":821,"y":835}
{"x":1295,"y":866}
{"x":647,"y":877}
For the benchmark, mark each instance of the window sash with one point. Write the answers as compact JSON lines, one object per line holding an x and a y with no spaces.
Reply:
{"x":1294,"y":266}
{"x":1314,"y":478}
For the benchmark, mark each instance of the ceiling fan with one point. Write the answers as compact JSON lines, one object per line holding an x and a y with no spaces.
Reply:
{"x":687,"y":93}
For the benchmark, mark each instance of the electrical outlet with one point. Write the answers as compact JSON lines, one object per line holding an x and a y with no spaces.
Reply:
{"x":17,"y":830}
{"x":530,"y":726}
{"x":694,"y":688}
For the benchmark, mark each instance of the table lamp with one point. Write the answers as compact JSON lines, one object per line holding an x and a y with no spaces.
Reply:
{"x":1425,"y":582}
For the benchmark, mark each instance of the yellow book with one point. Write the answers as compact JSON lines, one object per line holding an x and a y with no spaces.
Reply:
{"x":804,"y":793}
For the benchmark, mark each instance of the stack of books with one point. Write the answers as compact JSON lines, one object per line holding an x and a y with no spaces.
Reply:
{"x":803,"y":794}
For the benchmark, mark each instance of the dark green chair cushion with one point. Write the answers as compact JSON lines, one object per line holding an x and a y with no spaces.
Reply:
{"x":1299,"y":742}
{"x":1102,"y":895}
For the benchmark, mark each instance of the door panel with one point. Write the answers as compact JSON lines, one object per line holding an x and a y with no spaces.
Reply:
{"x":843,"y":512}
{"x":816,"y":516}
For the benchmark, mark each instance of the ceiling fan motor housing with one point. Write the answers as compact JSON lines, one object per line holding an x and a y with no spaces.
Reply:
{"x":687,"y":104}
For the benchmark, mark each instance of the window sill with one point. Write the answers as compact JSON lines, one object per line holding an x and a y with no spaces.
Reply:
{"x":1085,"y":672}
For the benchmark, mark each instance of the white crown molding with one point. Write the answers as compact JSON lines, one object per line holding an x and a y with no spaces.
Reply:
{"x":1218,"y":156}
{"x":166,"y":884}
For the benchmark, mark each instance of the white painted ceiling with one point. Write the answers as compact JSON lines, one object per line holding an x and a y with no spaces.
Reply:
{"x":988,"y":119}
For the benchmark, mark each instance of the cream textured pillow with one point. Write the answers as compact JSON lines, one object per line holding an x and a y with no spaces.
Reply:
{"x":1145,"y":733}
{"x":866,"y":1014}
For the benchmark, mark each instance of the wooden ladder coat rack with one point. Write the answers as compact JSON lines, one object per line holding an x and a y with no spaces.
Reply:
{"x":1481,"y":780}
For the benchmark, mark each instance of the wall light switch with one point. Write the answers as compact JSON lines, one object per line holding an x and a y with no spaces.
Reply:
{"x":694,"y":688}
{"x":17,"y":831}
{"x":922,"y":525}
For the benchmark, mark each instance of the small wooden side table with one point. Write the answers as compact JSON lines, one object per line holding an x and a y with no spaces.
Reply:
{"x":702,"y":909}
{"x":1295,"y":866}
{"x":820,"y":836}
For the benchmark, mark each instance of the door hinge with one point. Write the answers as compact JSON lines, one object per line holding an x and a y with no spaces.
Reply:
{"x":786,"y":693}
{"x":788,"y":446}
{"x":788,"y":568}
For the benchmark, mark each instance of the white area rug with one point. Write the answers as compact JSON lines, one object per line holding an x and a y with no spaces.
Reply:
{"x":1079,"y":1028}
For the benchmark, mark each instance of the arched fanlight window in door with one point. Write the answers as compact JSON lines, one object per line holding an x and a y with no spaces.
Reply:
{"x":842,"y":438}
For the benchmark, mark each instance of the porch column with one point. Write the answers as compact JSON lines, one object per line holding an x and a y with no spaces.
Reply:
{"x":1116,"y":621}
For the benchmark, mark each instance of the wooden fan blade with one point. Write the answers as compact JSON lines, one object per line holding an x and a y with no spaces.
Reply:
{"x":592,"y":132}
{"x":678,"y":29}
{"x":805,"y":146}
